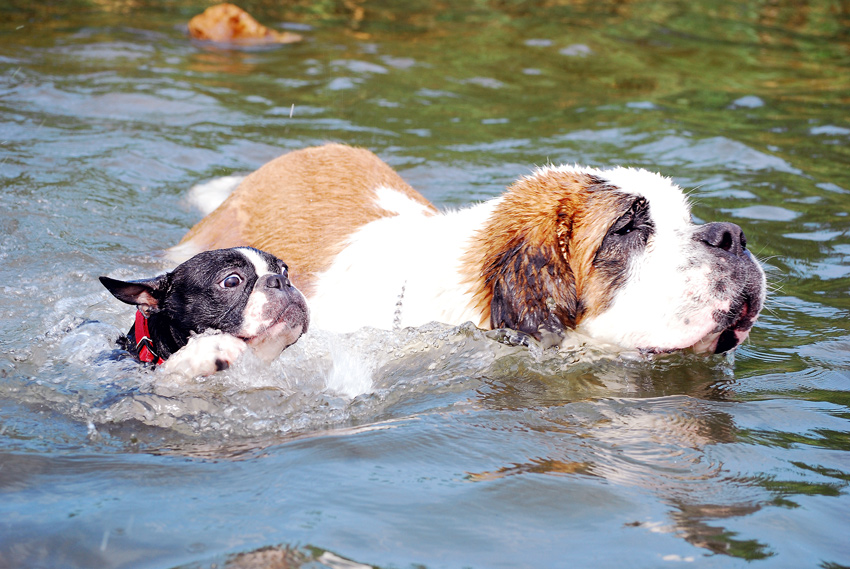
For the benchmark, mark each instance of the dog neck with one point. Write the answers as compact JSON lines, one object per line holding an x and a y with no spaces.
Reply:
{"x":152,"y":339}
{"x":140,"y":336}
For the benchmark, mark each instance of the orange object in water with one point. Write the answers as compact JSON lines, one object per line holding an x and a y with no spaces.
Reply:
{"x":230,"y":23}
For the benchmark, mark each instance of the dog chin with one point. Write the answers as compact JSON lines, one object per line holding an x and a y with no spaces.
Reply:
{"x":734,"y":332}
{"x":724,"y":338}
{"x":720,"y":342}
{"x":270,"y":342}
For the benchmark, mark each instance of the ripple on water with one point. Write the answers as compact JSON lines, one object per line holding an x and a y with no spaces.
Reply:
{"x":359,"y":67}
{"x":817,"y":236}
{"x":718,"y":151}
{"x":747,"y":102}
{"x":832,"y":269}
{"x":658,"y":442}
{"x":181,"y":107}
{"x":103,"y":51}
{"x":829,"y":130}
{"x":764,"y":213}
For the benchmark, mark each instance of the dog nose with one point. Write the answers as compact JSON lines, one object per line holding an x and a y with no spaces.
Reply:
{"x":723,"y":235}
{"x":279,"y":282}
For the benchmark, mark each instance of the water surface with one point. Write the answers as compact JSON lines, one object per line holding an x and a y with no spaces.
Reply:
{"x":441,"y":446}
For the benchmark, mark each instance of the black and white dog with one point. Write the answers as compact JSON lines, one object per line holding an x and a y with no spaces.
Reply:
{"x":199,"y":318}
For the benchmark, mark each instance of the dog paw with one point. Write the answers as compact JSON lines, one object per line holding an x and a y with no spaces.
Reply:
{"x":205,"y":354}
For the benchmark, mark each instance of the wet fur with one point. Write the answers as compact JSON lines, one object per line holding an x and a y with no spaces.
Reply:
{"x":611,"y":253}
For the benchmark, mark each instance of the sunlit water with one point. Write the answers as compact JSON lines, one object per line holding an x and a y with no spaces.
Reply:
{"x":441,"y":446}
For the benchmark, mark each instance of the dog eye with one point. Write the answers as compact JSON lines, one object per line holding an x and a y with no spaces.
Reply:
{"x":231,"y":281}
{"x":624,"y":225}
{"x":633,"y":220}
{"x":627,"y":228}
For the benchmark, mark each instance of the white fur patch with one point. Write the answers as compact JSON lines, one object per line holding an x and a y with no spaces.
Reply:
{"x":254,"y":319}
{"x":202,"y":355}
{"x":208,"y":196}
{"x":396,"y":202}
{"x":260,"y":264}
{"x":402,"y":270}
{"x":181,"y":253}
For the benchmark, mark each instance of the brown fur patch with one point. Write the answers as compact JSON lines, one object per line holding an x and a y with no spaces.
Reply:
{"x":302,"y":207}
{"x":531,"y":266}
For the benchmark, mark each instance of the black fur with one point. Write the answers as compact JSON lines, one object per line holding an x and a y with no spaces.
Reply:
{"x":626,"y":237}
{"x":531,"y":271}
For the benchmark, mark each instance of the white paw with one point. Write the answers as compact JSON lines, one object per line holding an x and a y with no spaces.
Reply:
{"x":205,"y":354}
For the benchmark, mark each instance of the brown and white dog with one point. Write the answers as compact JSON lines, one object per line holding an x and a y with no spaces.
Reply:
{"x":613,"y":254}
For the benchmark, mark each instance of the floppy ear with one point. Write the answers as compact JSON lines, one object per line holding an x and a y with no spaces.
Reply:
{"x":533,"y":291}
{"x":143,"y":293}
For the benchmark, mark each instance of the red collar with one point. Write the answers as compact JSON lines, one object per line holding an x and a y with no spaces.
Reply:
{"x":144,"y":344}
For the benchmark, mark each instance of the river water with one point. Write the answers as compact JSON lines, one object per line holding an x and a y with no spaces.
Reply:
{"x":440,"y":446}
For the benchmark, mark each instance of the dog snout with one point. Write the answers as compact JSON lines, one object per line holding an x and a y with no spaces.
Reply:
{"x":723,"y":235}
{"x":279,"y":282}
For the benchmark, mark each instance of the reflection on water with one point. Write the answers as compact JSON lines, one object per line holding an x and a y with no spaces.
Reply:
{"x":440,"y":446}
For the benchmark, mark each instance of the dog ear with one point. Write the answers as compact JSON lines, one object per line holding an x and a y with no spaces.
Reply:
{"x":143,"y":293}
{"x":533,"y":291}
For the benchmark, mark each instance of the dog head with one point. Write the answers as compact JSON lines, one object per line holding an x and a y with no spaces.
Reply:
{"x":243,"y":292}
{"x":616,"y":255}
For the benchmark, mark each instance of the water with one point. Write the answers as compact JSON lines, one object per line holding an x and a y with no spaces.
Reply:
{"x":441,"y":446}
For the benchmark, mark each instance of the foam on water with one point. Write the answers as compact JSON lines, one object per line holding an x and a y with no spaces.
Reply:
{"x":324,"y":380}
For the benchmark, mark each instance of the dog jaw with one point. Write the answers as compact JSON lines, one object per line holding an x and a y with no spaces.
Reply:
{"x":272,"y":324}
